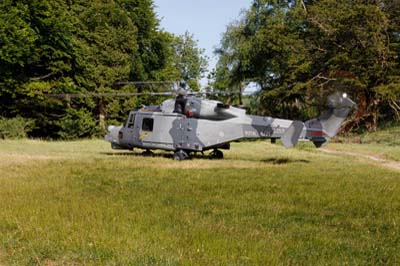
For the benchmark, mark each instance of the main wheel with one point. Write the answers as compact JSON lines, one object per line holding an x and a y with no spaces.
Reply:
{"x":180,"y":155}
{"x":216,"y":154}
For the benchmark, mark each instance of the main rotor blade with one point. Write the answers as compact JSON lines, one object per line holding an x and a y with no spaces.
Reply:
{"x":128,"y":94}
{"x":122,"y":83}
{"x":106,"y":94}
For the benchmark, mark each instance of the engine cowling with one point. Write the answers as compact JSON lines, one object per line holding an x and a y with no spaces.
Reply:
{"x":204,"y":109}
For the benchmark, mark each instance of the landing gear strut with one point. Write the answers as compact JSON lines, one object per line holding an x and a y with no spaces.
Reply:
{"x":148,"y":153}
{"x":216,"y":154}
{"x":181,"y":155}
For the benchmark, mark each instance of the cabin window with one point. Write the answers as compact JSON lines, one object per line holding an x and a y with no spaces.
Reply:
{"x":131,"y":121}
{"x":147,"y":124}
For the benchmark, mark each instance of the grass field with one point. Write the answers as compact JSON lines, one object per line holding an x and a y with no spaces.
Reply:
{"x":80,"y":203}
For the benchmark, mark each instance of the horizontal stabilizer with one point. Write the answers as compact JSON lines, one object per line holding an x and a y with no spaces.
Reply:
{"x":292,"y":134}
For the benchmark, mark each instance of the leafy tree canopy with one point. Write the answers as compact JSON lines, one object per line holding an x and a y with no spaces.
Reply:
{"x":63,"y":46}
{"x":300,"y":51}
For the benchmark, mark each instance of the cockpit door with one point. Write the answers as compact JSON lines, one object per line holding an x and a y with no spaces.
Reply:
{"x":130,"y":131}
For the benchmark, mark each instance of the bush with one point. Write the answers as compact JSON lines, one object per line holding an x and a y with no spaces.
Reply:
{"x":77,"y":124}
{"x":15,"y":128}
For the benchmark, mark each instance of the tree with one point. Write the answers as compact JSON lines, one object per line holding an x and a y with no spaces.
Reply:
{"x":189,"y":60}
{"x":53,"y":47}
{"x":105,"y":40}
{"x":36,"y":55}
{"x":231,"y":71}
{"x":299,"y":51}
{"x":354,"y":41}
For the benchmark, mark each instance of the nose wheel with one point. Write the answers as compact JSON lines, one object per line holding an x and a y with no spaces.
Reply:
{"x":216,"y":154}
{"x":180,"y":155}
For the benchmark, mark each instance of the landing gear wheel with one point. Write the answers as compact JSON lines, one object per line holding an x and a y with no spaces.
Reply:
{"x":216,"y":154}
{"x":148,"y":153}
{"x":180,"y":155}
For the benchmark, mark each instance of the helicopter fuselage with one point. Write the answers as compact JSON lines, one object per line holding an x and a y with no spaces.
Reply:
{"x":206,"y":124}
{"x":157,"y":130}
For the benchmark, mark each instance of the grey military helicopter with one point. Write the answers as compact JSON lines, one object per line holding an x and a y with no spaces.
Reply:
{"x":190,"y":124}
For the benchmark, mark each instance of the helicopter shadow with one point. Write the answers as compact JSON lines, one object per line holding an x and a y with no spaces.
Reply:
{"x":154,"y":155}
{"x":199,"y":156}
{"x":136,"y":154}
{"x":283,"y":160}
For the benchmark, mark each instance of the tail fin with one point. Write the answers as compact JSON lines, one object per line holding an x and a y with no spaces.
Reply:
{"x":292,"y":134}
{"x":320,"y":129}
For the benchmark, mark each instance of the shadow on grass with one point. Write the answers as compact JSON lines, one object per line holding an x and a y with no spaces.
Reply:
{"x":282,"y":160}
{"x":197,"y":156}
{"x":138,"y":154}
{"x":156,"y":155}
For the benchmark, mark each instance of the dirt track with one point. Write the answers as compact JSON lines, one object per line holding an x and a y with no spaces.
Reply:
{"x":390,"y":164}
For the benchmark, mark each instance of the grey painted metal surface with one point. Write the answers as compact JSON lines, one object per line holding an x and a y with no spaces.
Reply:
{"x":207,"y":124}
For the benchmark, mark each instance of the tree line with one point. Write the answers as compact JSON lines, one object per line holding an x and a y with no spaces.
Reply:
{"x":81,"y":47}
{"x":296,"y":51}
{"x":299,"y":51}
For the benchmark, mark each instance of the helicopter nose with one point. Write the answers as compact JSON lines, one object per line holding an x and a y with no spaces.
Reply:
{"x":112,"y":135}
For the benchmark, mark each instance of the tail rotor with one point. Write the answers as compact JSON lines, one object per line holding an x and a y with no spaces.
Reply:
{"x":319,"y":130}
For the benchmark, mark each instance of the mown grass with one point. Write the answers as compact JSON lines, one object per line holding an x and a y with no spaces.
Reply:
{"x":79,"y":203}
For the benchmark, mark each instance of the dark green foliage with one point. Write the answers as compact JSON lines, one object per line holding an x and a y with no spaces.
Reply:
{"x":300,"y":51}
{"x":81,"y":47}
{"x":77,"y":124}
{"x":15,"y":128}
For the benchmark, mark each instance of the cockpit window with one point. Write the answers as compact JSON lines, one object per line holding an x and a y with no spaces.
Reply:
{"x":147,"y":124}
{"x":131,"y":121}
